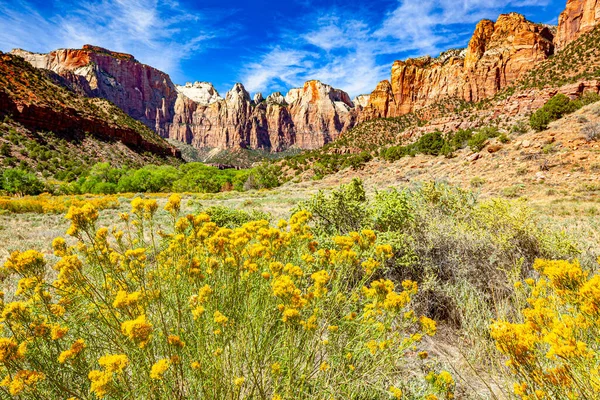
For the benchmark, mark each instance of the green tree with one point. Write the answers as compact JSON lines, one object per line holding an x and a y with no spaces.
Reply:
{"x":19,"y":182}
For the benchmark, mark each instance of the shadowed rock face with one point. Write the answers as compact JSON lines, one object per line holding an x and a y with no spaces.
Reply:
{"x":195,"y":113}
{"x":497,"y":55}
{"x":579,"y":17}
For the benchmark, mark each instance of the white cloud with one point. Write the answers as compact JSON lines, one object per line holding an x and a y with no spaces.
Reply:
{"x":353,"y":54}
{"x":157,"y":32}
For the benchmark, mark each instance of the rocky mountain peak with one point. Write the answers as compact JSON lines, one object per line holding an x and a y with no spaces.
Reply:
{"x":237,"y":93}
{"x":497,"y":55}
{"x":114,"y":54}
{"x":361,"y":100}
{"x":276,"y":98}
{"x":201,"y":92}
{"x":258,"y":98}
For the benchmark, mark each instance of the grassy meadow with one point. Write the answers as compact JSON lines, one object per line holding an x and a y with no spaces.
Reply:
{"x":421,"y":292}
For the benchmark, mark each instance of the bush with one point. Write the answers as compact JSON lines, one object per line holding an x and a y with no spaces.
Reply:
{"x":233,"y":218}
{"x":431,"y":143}
{"x":219,"y":313}
{"x":19,"y":182}
{"x":477,"y":182}
{"x":461,"y":138}
{"x":342,"y":211}
{"x":589,"y":98}
{"x":558,"y":336}
{"x":478,"y":141}
{"x":591,"y":131}
{"x":265,"y":176}
{"x":438,"y":234}
{"x":555,"y":108}
{"x":519,"y":128}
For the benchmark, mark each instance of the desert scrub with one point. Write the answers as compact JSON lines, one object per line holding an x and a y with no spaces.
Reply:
{"x":211,"y":312}
{"x":553,"y":352}
{"x":457,"y":247}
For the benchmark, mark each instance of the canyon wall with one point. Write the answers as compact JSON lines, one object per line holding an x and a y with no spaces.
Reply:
{"x":307,"y":117}
{"x":579,"y":17}
{"x":497,"y":55}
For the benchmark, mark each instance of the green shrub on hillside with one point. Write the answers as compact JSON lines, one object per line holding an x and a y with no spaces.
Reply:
{"x":431,"y":143}
{"x":19,"y":182}
{"x":478,"y":141}
{"x":555,"y":108}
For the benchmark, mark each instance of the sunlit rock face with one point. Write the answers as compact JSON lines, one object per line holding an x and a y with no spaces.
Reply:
{"x":579,"y":17}
{"x":195,"y":113}
{"x":497,"y":55}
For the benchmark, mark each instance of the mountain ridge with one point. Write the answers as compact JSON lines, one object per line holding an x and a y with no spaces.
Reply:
{"x":499,"y":54}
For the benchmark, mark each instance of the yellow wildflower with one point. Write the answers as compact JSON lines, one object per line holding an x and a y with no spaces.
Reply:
{"x":71,"y":353}
{"x":159,"y":368}
{"x":138,"y":330}
{"x":397,"y":393}
{"x":114,"y":363}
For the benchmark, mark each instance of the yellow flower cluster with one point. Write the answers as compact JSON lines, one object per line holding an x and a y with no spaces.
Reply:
{"x":73,"y":352}
{"x":23,"y":380}
{"x":159,"y":368}
{"x":198,"y":308}
{"x":555,"y":350}
{"x":138,"y":330}
{"x":47,"y":204}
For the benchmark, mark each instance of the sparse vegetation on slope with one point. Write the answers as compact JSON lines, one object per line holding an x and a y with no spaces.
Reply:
{"x":579,"y":60}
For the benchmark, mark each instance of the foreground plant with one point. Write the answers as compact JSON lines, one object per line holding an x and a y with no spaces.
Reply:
{"x":555,"y":353}
{"x":210,"y":312}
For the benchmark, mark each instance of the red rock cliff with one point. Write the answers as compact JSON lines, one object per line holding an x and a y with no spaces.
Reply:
{"x":579,"y":17}
{"x":497,"y":55}
{"x":307,"y":117}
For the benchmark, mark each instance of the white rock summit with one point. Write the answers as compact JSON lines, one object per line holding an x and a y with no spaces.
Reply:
{"x":201,"y":92}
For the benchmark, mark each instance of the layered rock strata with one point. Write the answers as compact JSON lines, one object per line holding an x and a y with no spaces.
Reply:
{"x":497,"y":55}
{"x":195,"y":113}
{"x":579,"y":17}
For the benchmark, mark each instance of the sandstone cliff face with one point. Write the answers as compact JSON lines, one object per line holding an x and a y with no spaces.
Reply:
{"x":143,"y":92}
{"x":498,"y":54}
{"x":306,"y":117}
{"x":579,"y":17}
{"x":35,"y":101}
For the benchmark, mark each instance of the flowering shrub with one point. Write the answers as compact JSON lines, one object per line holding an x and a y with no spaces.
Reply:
{"x":554,"y":353}
{"x":48,"y":204}
{"x":209,"y":312}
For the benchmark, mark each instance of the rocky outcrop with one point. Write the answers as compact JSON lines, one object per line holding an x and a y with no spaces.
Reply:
{"x":143,"y":92}
{"x":195,"y":113}
{"x":579,"y":17}
{"x":32,"y":99}
{"x":320,"y":113}
{"x":200,"y":92}
{"x":311,"y":117}
{"x":362,"y":100}
{"x":497,"y":55}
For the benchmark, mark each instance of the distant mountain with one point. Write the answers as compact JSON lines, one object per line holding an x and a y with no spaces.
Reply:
{"x":37,"y":105}
{"x":499,"y":55}
{"x":196,"y":114}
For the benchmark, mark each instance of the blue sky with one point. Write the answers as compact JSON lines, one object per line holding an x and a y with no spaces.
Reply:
{"x":267,"y":45}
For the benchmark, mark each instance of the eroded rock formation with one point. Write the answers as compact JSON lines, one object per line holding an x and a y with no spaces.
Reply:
{"x":306,"y":117}
{"x":498,"y":54}
{"x":579,"y":17}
